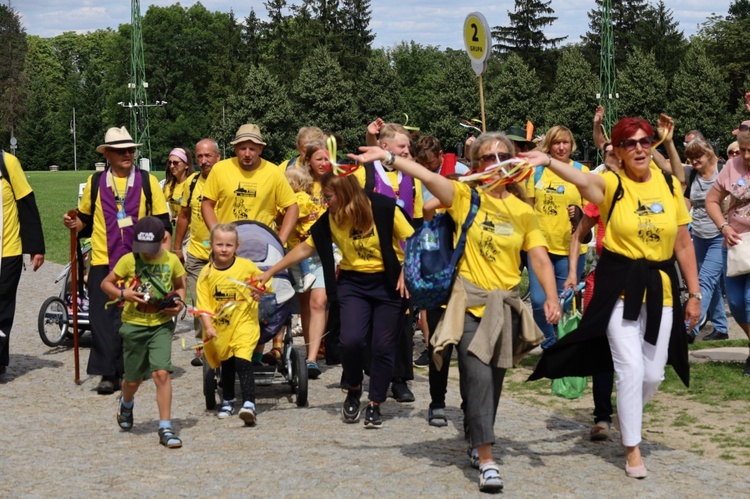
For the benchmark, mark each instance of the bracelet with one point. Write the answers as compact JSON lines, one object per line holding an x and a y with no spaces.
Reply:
{"x":122,"y":294}
{"x":721,"y":228}
{"x":389,"y":158}
{"x":549,"y":160}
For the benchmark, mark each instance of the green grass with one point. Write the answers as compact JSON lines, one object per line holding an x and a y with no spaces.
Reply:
{"x":56,"y":193}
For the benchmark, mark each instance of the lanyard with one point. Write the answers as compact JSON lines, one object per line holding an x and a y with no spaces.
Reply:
{"x":119,"y":199}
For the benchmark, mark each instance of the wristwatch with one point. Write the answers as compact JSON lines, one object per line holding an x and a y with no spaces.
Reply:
{"x":698,"y":295}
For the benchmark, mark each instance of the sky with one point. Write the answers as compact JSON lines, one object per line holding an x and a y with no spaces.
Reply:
{"x":427,"y":22}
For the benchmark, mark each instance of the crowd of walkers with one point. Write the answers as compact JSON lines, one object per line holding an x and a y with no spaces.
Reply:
{"x":663,"y":232}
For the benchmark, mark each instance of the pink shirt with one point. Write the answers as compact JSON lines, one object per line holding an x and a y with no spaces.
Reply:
{"x":734,"y":180}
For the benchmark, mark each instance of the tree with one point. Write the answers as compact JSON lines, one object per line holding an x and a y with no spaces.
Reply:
{"x":739,"y":10}
{"x":513,"y":94}
{"x":725,"y":44}
{"x":700,"y":95}
{"x":260,"y":100}
{"x":642,"y":87}
{"x":657,"y":31}
{"x":625,"y":15}
{"x":378,"y":92}
{"x":323,"y":97}
{"x":417,"y":68}
{"x":573,"y":100}
{"x":525,"y":36}
{"x":12,"y":78}
{"x":356,"y":35}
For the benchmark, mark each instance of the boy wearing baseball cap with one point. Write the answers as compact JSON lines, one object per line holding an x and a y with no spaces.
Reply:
{"x":152,"y":290}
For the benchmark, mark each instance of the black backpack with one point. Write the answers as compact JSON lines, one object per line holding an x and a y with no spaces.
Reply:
{"x":145,"y":185}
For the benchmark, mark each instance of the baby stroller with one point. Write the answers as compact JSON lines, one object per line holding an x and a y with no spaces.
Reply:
{"x":261,"y":245}
{"x":56,"y":314}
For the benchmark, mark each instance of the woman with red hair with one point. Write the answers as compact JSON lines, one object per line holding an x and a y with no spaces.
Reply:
{"x":636,"y":298}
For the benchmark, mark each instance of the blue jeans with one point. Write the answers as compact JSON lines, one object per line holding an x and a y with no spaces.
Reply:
{"x":710,"y":257}
{"x":738,"y":297}
{"x":560,"y":268}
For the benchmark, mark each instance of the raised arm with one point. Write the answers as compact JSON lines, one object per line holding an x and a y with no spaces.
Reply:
{"x":439,"y":186}
{"x":598,"y":132}
{"x":373,"y":129}
{"x":590,"y":186}
{"x":665,"y":126}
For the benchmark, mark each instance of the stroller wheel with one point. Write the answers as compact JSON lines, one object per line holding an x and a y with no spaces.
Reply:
{"x":299,"y":377}
{"x":53,"y":321}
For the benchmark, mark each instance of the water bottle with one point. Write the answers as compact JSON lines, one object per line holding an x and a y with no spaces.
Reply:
{"x":428,"y":241}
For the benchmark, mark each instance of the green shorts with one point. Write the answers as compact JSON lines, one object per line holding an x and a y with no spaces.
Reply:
{"x":146,"y":349}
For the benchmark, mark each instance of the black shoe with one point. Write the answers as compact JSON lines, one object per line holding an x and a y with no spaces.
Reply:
{"x":746,"y":372}
{"x":196,"y":362}
{"x":372,"y":416}
{"x":350,"y":409}
{"x":106,"y":386}
{"x":423,"y":360}
{"x":690,"y":337}
{"x":401,"y":392}
{"x":716,"y":335}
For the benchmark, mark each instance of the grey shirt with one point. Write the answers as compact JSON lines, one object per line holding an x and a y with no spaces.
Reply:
{"x":703,"y":226}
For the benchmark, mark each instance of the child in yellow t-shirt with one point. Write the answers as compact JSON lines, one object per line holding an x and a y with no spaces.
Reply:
{"x":302,"y":184}
{"x":230,"y":319}
{"x":149,"y":273}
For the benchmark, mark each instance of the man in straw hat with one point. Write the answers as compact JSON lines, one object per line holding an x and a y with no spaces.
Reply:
{"x":112,"y":202}
{"x":247,"y":187}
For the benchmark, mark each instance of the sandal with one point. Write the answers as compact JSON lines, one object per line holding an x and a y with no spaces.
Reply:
{"x":125,"y":417}
{"x":489,"y":478}
{"x":168,"y":439}
{"x":436,"y":417}
{"x":272,"y":357}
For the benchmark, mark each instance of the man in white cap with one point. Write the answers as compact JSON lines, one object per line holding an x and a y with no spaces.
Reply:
{"x":247,"y":187}
{"x":112,"y":202}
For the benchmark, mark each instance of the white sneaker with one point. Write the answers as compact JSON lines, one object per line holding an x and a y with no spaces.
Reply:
{"x":226,"y":409}
{"x":307,"y":282}
{"x":247,"y":413}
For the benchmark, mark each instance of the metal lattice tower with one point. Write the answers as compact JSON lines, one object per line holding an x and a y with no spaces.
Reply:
{"x":607,"y":96}
{"x":138,"y":86}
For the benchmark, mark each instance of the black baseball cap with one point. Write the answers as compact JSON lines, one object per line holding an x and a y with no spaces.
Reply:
{"x":148,"y":234}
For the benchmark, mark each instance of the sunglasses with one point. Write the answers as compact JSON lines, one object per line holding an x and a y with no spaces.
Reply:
{"x":129,"y":150}
{"x":630,"y":144}
{"x":733,"y":152}
{"x":495,"y":158}
{"x":695,"y":158}
{"x":173,"y":163}
{"x":744,"y":128}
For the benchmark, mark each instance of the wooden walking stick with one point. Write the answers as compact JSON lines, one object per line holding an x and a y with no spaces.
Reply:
{"x":74,"y":292}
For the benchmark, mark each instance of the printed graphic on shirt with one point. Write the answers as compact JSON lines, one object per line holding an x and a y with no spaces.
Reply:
{"x":499,"y":225}
{"x":363,"y":252}
{"x":648,"y":232}
{"x":740,"y":190}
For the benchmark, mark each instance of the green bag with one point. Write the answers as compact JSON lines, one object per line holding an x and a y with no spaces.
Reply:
{"x":570,"y":387}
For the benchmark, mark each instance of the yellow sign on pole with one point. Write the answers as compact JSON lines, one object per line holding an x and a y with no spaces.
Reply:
{"x":478,"y":42}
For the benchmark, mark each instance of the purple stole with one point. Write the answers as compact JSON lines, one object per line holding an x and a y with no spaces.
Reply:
{"x":405,"y":198}
{"x":120,"y":241}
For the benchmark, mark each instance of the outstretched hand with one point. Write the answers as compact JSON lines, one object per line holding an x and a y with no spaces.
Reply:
{"x":535,"y":157}
{"x":375,"y":127}
{"x":368,"y":154}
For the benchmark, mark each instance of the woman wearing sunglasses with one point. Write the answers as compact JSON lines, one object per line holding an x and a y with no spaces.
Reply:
{"x":179,"y":168}
{"x":556,"y":202}
{"x":634,"y":322}
{"x":486,"y":286}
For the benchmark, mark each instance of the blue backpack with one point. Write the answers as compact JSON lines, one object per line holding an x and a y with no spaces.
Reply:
{"x":430,"y":260}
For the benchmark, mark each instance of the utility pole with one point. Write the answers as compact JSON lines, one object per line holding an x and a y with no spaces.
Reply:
{"x":75,"y":148}
{"x":607,"y":95}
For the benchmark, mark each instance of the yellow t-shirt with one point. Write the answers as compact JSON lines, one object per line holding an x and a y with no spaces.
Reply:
{"x":236,"y":325}
{"x":644,"y":222}
{"x":361,"y":252}
{"x":309,"y":212}
{"x":99,"y":251}
{"x":21,"y":188}
{"x":199,"y":245}
{"x":165,"y":267}
{"x":552,"y":195}
{"x":501,"y":229}
{"x":360,"y":174}
{"x":174,"y":197}
{"x":242,"y":195}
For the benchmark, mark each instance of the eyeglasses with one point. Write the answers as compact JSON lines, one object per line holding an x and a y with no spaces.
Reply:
{"x":495,"y":158}
{"x":327,"y":197}
{"x":733,"y":152}
{"x":696,"y":158}
{"x":173,"y":163}
{"x":129,"y":150}
{"x":630,"y":144}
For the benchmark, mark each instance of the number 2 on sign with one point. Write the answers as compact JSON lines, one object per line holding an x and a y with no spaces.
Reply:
{"x":474,"y":37}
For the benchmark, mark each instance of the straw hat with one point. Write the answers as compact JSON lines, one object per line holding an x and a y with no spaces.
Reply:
{"x":116,"y":138}
{"x":249,"y":132}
